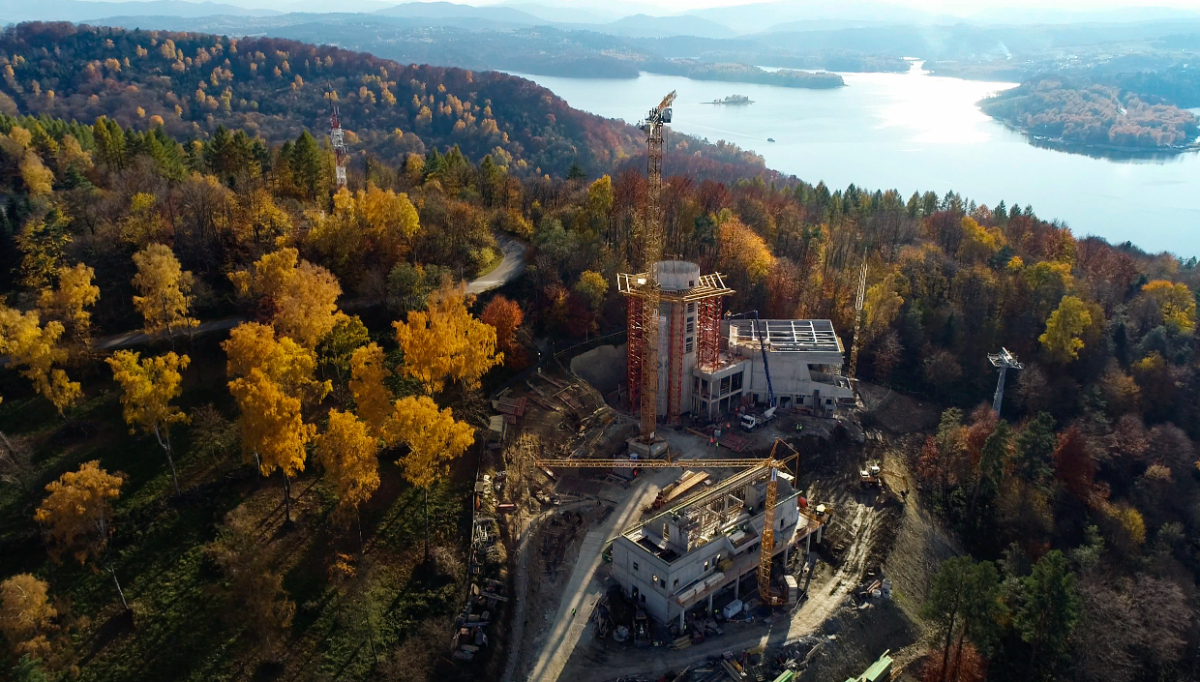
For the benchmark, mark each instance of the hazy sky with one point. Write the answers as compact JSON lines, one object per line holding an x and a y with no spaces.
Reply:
{"x":958,"y":7}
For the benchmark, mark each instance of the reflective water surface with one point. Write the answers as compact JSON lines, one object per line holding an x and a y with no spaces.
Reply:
{"x":916,"y":132}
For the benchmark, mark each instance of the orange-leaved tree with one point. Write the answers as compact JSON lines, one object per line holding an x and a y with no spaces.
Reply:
{"x":299,"y":298}
{"x":445,"y":342}
{"x":368,"y":370}
{"x":434,"y":439}
{"x":26,"y":615}
{"x":165,"y":289}
{"x":505,"y":316}
{"x":271,"y":380}
{"x":78,"y":515}
{"x":148,"y":387}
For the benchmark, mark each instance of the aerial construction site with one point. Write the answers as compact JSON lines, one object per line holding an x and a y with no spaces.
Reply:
{"x":703,"y":502}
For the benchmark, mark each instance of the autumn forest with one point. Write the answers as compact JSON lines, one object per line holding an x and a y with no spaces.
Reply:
{"x":268,"y":479}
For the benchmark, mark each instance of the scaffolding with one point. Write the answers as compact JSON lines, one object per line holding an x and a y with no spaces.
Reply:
{"x":708,"y":333}
{"x":645,"y":302}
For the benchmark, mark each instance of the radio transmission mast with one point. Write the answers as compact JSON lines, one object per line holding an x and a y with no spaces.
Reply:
{"x":338,"y":139}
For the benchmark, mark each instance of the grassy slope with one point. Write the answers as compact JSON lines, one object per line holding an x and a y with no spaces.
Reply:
{"x":185,"y":627}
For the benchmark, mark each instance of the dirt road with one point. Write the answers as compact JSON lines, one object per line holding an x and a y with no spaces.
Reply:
{"x":521,"y":580}
{"x":569,"y":628}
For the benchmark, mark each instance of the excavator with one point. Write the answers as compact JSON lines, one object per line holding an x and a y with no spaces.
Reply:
{"x":872,"y":475}
{"x":767,"y":592}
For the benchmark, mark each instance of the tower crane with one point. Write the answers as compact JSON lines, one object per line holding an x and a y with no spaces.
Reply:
{"x":652,"y":249}
{"x":773,"y":463}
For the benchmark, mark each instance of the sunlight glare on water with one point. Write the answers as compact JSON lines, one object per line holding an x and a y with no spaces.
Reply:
{"x":917,"y":132}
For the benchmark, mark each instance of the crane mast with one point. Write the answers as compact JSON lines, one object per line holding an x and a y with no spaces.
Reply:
{"x":652,"y":253}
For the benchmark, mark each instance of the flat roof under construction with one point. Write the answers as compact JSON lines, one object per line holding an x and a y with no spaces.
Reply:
{"x":788,"y":336}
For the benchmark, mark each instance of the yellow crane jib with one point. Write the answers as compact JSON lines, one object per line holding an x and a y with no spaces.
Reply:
{"x":767,"y":554}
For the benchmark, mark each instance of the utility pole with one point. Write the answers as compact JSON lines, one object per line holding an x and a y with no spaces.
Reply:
{"x":858,"y":308}
{"x":1005,"y":361}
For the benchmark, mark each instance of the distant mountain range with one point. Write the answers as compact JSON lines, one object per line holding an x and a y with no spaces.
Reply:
{"x":16,"y":11}
{"x":618,"y":17}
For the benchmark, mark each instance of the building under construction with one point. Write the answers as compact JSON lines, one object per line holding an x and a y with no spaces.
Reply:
{"x":708,"y":542}
{"x":708,"y":366}
{"x":676,"y":360}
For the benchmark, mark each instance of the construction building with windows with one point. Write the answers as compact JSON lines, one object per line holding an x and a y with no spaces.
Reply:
{"x":709,"y":366}
{"x":710,"y":541}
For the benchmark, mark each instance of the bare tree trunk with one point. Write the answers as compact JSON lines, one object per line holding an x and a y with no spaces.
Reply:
{"x":166,"y":446}
{"x":358,"y":518}
{"x":950,"y":633}
{"x":427,"y":525}
{"x":113,"y":572}
{"x":287,"y":498}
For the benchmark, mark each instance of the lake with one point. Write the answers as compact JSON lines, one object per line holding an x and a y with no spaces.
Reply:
{"x":916,"y":132}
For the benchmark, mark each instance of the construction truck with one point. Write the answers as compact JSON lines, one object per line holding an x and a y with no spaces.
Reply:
{"x":751,"y":422}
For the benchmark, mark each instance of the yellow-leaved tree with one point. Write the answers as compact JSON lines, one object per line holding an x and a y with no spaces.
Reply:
{"x":298,"y":297}
{"x":70,"y":300}
{"x":148,"y":387}
{"x":271,"y":380}
{"x":434,"y":439}
{"x":348,"y":452}
{"x":26,"y":615}
{"x":78,"y":516}
{"x":165,"y":289}
{"x":882,"y":304}
{"x":34,"y":347}
{"x":445,"y":342}
{"x":368,"y":371}
{"x":1175,"y":302}
{"x":1062,"y":336}
{"x":742,"y":250}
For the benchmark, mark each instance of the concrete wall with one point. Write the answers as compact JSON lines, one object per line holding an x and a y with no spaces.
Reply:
{"x":603,"y":367}
{"x":678,"y":575}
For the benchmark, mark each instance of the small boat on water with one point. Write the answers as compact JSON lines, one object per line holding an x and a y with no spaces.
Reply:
{"x":770,"y":139}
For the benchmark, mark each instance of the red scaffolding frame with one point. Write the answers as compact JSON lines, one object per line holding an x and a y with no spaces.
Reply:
{"x":708,"y":336}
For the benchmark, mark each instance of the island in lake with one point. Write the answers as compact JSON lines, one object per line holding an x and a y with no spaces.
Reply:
{"x":743,"y":73}
{"x":732,"y":99}
{"x":1058,"y":111}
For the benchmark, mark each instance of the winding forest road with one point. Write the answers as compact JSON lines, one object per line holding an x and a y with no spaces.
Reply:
{"x":512,"y":265}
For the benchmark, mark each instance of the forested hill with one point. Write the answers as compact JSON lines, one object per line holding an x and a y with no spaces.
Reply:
{"x":192,"y":83}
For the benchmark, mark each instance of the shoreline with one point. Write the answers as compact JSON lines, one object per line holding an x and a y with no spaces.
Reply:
{"x":1102,"y":150}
